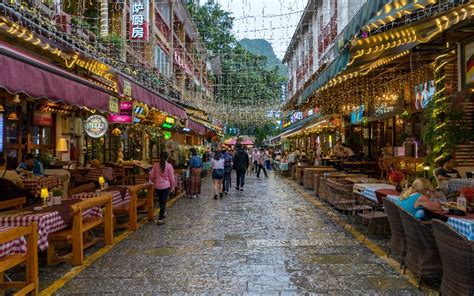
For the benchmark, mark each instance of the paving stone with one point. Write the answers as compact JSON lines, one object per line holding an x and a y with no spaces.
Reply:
{"x":267,"y":240}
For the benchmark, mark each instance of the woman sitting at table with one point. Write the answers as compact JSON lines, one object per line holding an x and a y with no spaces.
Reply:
{"x":417,"y":198}
{"x":11,"y":185}
{"x":31,"y":164}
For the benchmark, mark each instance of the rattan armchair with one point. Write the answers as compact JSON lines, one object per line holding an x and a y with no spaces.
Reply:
{"x":398,"y":240}
{"x":457,"y":256}
{"x":422,"y":256}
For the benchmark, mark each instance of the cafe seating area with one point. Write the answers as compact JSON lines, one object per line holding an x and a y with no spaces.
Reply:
{"x":59,"y":222}
{"x":437,"y":251}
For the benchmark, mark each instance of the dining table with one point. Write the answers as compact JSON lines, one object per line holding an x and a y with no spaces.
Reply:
{"x":456,"y":184}
{"x":120,"y":194}
{"x":49,"y":219}
{"x":15,"y":246}
{"x":36,"y":183}
{"x":94,"y":173}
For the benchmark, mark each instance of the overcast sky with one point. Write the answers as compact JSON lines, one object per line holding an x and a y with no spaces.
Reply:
{"x":273,"y":20}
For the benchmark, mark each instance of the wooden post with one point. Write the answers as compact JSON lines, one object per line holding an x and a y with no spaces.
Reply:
{"x":150,"y":205}
{"x":133,"y":208}
{"x":32,"y":259}
{"x":108,"y":222}
{"x":77,"y":239}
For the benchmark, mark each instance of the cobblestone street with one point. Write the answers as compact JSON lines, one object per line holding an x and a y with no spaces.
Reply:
{"x":265,"y":240}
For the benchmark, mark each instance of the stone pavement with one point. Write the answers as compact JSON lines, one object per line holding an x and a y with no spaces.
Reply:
{"x":266,"y":240}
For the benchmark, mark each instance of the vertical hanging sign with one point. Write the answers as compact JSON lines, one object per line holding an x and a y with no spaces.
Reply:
{"x":139,"y":16}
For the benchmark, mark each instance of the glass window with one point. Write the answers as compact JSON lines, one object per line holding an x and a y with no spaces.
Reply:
{"x":162,"y":61}
{"x":164,"y":8}
{"x":12,"y":133}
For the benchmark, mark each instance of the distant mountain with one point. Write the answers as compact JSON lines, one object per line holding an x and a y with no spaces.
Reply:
{"x":264,"y":48}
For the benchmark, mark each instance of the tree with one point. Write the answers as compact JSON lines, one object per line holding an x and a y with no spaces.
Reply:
{"x":245,"y":91}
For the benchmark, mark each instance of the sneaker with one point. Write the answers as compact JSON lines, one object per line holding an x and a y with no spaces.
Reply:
{"x":241,"y":188}
{"x":215,"y":196}
{"x":237,"y":188}
{"x":160,"y":222}
{"x":225,"y":192}
{"x":221,"y":195}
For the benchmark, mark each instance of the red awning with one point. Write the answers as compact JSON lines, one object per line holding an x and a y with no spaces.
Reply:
{"x":196,"y":127}
{"x":148,"y":97}
{"x":22,"y":73}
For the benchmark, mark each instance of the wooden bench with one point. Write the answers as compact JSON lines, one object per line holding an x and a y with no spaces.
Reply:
{"x":16,"y":203}
{"x":78,"y":233}
{"x":30,"y":259}
{"x":131,"y":208}
{"x":89,"y":187}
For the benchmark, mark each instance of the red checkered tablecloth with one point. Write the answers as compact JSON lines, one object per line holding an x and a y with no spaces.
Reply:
{"x":47,"y":222}
{"x":455,"y":185}
{"x":35,"y":184}
{"x":117,"y":199}
{"x":16,"y":246}
{"x":95,"y":173}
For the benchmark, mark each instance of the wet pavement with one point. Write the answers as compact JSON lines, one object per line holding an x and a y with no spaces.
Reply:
{"x":265,"y":240}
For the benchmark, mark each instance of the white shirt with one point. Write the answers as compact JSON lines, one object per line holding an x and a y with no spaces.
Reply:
{"x":217,"y":164}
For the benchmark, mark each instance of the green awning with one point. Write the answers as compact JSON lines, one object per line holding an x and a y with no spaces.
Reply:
{"x":337,"y":66}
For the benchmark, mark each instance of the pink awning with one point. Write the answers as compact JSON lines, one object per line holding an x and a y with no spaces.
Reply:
{"x":22,"y":73}
{"x":196,"y":127}
{"x":148,"y":97}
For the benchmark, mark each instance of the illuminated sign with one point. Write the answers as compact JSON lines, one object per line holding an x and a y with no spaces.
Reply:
{"x":169,"y":120}
{"x":167,"y":125}
{"x":96,"y":126}
{"x":1,"y":132}
{"x":166,"y":135}
{"x":113,"y":104}
{"x":125,"y":113}
{"x":185,"y":129}
{"x":139,"y":15}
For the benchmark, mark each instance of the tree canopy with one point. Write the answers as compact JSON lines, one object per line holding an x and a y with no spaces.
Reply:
{"x":245,"y":91}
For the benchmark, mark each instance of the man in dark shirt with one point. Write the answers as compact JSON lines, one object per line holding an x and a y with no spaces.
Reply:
{"x":447,"y":172}
{"x":241,"y":164}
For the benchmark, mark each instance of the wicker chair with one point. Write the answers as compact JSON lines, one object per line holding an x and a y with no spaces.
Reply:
{"x":422,"y":256}
{"x":398,"y":240}
{"x":457,"y":256}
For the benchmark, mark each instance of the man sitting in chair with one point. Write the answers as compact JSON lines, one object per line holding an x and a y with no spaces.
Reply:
{"x":447,"y":172}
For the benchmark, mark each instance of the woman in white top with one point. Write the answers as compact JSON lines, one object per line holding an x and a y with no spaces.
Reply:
{"x":217,"y":166}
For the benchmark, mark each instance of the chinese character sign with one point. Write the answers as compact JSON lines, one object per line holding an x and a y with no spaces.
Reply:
{"x":139,"y":16}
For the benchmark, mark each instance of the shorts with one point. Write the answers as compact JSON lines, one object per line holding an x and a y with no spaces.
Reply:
{"x":218,"y":174}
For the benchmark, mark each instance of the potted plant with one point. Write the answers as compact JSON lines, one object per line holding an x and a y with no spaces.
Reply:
{"x":397,"y":177}
{"x":57,"y":196}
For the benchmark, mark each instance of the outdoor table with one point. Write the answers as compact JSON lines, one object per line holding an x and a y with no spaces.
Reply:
{"x":35,"y":184}
{"x":120,"y":195}
{"x":16,"y":246}
{"x":464,"y":226}
{"x":368,"y":190}
{"x":95,"y":173}
{"x":308,"y":175}
{"x":82,"y":172}
{"x":455,"y":185}
{"x":48,"y":222}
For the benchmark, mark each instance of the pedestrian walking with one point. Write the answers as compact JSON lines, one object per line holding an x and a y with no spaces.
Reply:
{"x":217,"y":166}
{"x":162,"y":177}
{"x":255,"y":157}
{"x":195,"y":170}
{"x":261,"y":164}
{"x":241,"y":164}
{"x":227,"y":181}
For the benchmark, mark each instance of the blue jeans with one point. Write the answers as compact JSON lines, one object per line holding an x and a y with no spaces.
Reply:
{"x":163,"y":198}
{"x":240,"y":177}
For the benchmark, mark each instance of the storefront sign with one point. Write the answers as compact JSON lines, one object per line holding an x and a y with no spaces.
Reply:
{"x":113,"y":104}
{"x":127,"y":88}
{"x":1,"y":132}
{"x":96,"y":126}
{"x":167,"y":125}
{"x":382,"y":109}
{"x":139,"y":16}
{"x":124,"y":115}
{"x":42,"y":118}
{"x":170,"y":120}
{"x":166,"y":135}
{"x":140,"y":112}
